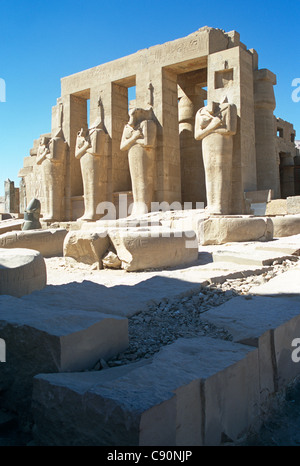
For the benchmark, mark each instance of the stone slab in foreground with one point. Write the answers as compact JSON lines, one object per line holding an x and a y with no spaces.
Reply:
{"x":194,"y":392}
{"x":48,"y":339}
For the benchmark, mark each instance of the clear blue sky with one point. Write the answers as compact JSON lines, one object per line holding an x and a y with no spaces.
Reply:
{"x":41,"y":42}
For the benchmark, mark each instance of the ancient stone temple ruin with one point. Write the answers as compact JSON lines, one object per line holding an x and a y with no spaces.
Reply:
{"x":198,"y":93}
{"x":151,"y":296}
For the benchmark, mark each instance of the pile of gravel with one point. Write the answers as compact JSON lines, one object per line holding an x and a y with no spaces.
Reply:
{"x":161,"y":325}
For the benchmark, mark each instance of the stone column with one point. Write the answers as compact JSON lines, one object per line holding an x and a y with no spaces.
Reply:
{"x":230,"y":74}
{"x":267,"y":168}
{"x":287,"y":170}
{"x":11,"y":197}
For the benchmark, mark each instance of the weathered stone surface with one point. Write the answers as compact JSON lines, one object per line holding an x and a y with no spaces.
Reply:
{"x":48,"y":339}
{"x":48,"y":242}
{"x":257,"y":257}
{"x":22,"y":271}
{"x":86,"y":247}
{"x":220,"y":230}
{"x":293,"y":205}
{"x":246,"y":319}
{"x":285,"y":284}
{"x":276,"y":207}
{"x":156,"y":247}
{"x":10,"y":225}
{"x":286,"y":225}
{"x":215,"y":125}
{"x":139,"y":139}
{"x":154,"y":404}
{"x":90,"y":150}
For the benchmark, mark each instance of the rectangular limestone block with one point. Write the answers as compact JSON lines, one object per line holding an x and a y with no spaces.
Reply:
{"x":276,"y":207}
{"x":154,"y":247}
{"x":49,"y":243}
{"x":286,"y":225}
{"x":86,"y":246}
{"x":188,"y":394}
{"x":10,"y":225}
{"x":22,"y":271}
{"x":246,"y":319}
{"x":293,"y":205}
{"x":221,"y":230}
{"x":48,"y":339}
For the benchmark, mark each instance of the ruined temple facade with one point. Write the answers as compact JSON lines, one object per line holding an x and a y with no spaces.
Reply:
{"x":175,"y":80}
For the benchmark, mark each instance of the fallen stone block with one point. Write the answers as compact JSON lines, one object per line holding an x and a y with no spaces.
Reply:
{"x":48,"y":242}
{"x":10,"y":225}
{"x":286,"y":225}
{"x":246,"y":318}
{"x":276,"y":207}
{"x":284,"y":285}
{"x":155,"y":247}
{"x":22,"y":271}
{"x":221,"y":230}
{"x":194,"y":392}
{"x":293,"y":205}
{"x":285,"y":245}
{"x":269,"y":324}
{"x":255,"y":257}
{"x":87,"y":247}
{"x":47,"y":339}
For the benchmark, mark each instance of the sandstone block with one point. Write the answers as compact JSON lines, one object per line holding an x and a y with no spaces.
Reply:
{"x":155,"y":247}
{"x":286,"y":225}
{"x":47,"y":339}
{"x":158,"y":403}
{"x":293,"y":205}
{"x":276,"y":207}
{"x":10,"y":225}
{"x":22,"y":271}
{"x":48,"y":242}
{"x":221,"y":230}
{"x":87,"y":247}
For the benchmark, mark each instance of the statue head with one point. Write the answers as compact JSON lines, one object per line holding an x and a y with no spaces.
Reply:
{"x":137,"y":115}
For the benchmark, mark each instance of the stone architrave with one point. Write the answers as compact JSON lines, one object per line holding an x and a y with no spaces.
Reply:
{"x":51,"y":155}
{"x":215,"y":125}
{"x":139,"y":139}
{"x":90,"y":145}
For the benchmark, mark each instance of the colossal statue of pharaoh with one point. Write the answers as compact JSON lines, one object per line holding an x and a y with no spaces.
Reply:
{"x":90,"y":144}
{"x":139,"y":139}
{"x":51,"y":156}
{"x":215,"y":125}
